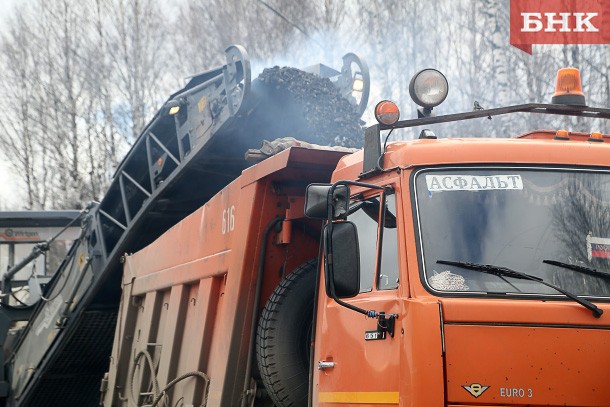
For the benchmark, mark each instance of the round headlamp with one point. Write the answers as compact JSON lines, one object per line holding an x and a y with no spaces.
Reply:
{"x":428,"y":88}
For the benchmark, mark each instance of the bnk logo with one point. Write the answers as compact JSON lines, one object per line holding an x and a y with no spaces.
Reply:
{"x":562,"y":22}
{"x":559,"y":22}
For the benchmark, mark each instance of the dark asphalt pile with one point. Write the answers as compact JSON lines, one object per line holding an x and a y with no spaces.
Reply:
{"x":312,"y":107}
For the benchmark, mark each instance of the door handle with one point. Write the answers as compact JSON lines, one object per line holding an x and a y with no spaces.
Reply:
{"x":323,"y":365}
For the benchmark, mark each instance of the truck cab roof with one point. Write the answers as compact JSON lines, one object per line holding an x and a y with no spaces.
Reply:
{"x":536,"y":147}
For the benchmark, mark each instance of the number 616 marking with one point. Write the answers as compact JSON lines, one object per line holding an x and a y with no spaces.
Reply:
{"x":228,"y":220}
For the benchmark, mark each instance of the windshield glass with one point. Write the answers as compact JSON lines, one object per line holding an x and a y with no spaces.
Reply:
{"x":514,"y":218}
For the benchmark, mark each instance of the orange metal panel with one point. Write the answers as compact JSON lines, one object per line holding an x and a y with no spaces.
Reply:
{"x":481,"y":405}
{"x":121,"y":348}
{"x":549,"y":350}
{"x":144,"y":343}
{"x":528,"y":365}
{"x":204,"y":300}
{"x":409,"y":366}
{"x":486,"y":310}
{"x":171,"y":333}
{"x":209,"y":266}
{"x":340,"y":339}
{"x":303,"y":159}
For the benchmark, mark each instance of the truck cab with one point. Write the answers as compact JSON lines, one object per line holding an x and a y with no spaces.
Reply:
{"x":463,"y":334}
{"x":483,"y":272}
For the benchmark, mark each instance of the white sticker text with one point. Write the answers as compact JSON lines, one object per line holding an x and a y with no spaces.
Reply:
{"x":438,"y":183}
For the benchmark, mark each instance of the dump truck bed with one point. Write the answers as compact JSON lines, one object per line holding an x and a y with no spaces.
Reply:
{"x":188,"y":297}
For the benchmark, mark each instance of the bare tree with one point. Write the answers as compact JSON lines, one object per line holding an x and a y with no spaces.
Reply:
{"x":23,"y":145}
{"x":137,"y":44}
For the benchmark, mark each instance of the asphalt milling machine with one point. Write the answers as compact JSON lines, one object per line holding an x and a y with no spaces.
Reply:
{"x":200,"y":133}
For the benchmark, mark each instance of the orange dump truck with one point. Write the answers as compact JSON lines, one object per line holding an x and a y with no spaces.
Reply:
{"x":431,"y":272}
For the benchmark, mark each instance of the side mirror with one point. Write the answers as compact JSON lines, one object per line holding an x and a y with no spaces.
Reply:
{"x":316,"y":201}
{"x":343,"y":271}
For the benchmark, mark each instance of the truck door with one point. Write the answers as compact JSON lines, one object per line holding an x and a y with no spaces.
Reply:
{"x":353,"y":363}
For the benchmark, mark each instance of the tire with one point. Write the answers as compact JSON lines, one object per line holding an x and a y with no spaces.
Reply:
{"x":283,"y":337}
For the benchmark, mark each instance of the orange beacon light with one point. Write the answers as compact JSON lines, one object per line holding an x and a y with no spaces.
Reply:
{"x":568,"y":89}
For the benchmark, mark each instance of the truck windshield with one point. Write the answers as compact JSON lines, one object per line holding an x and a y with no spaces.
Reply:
{"x":514,"y":218}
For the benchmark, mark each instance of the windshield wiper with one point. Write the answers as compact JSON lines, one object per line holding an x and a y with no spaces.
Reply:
{"x":506,"y":272}
{"x":580,"y":269}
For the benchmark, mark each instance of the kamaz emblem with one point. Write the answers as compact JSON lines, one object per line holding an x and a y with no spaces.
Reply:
{"x":475,"y":389}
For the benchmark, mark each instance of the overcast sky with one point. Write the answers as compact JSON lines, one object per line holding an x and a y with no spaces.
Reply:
{"x":5,"y":8}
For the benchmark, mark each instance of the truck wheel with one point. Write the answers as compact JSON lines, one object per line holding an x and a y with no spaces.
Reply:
{"x":283,"y":336}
